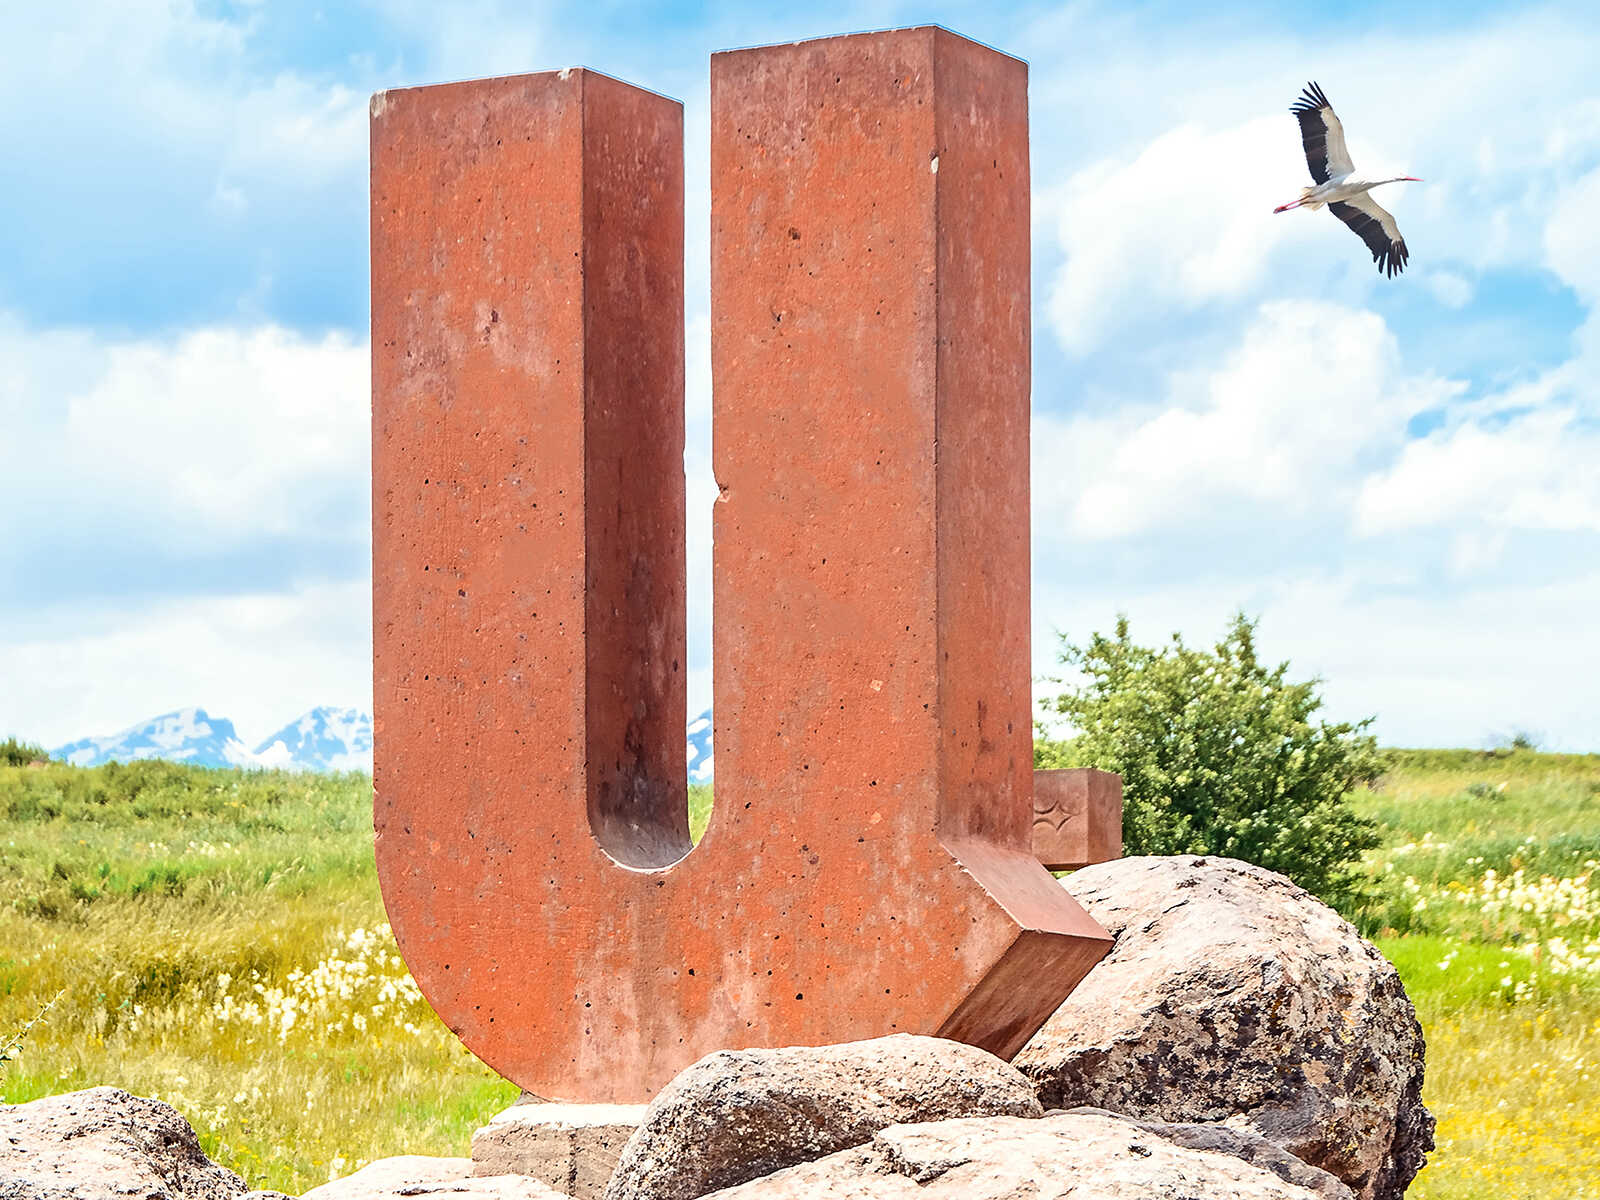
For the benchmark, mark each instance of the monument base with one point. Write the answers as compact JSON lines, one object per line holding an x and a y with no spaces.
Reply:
{"x":571,"y":1147}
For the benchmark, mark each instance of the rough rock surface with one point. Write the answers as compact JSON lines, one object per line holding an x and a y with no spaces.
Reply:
{"x":1087,"y":1156}
{"x":420,"y":1175}
{"x":1234,"y":997}
{"x":736,"y":1115}
{"x":105,"y":1142}
{"x":1239,"y":1143}
{"x":572,"y":1147}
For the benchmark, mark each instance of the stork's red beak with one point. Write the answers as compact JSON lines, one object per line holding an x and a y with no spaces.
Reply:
{"x":1410,"y":179}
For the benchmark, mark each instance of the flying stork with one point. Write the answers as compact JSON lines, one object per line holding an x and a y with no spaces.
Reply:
{"x":1340,"y":188}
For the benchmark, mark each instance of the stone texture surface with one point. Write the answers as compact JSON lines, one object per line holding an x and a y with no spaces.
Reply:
{"x":868,"y":868}
{"x":421,"y":1175}
{"x":1085,"y":1156}
{"x":1239,"y":1143}
{"x":1233,"y":996}
{"x":105,"y":1143}
{"x":735,"y":1115}
{"x":572,"y":1147}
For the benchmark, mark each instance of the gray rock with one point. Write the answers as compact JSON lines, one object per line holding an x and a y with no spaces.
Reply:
{"x":421,"y":1175}
{"x":1239,"y":1143}
{"x":1234,"y":997}
{"x":737,"y":1115}
{"x":105,"y":1144}
{"x":1082,"y":1155}
{"x":572,"y":1147}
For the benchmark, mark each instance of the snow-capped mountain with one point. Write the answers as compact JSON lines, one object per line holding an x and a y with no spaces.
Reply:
{"x":324,"y":739}
{"x":189,"y":735}
{"x":700,"y":748}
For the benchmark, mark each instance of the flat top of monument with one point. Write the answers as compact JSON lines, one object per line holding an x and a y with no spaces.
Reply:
{"x":835,"y":37}
{"x":380,"y":99}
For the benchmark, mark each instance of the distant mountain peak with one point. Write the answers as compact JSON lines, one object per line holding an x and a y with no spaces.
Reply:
{"x":326,"y":738}
{"x":189,"y":735}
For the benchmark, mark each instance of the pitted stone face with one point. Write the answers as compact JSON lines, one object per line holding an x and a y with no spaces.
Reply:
{"x":868,"y":867}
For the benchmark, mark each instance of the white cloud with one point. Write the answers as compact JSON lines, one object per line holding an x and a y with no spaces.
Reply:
{"x":163,"y":167}
{"x":1519,"y":459}
{"x":200,"y":445}
{"x":1312,"y":394}
{"x":229,"y":430}
{"x":1449,"y":288}
{"x":1534,"y":471}
{"x":176,"y":77}
{"x":319,"y":130}
{"x":1268,"y":417}
{"x":1190,"y":216}
{"x":1163,"y":207}
{"x":202,"y":441}
{"x":37,"y":368}
{"x":474,"y":38}
{"x":700,"y":495}
{"x":1572,"y":236}
{"x":172,"y":71}
{"x":259,"y":659}
{"x":1498,"y":657}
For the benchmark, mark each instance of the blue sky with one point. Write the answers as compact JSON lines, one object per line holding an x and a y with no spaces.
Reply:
{"x":1401,"y":478}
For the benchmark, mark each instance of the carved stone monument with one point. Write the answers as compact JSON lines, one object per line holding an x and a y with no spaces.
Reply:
{"x":1077,"y":817}
{"x":868,"y":867}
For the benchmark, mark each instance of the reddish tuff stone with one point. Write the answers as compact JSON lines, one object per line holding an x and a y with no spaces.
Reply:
{"x":868,"y":867}
{"x":1077,"y":817}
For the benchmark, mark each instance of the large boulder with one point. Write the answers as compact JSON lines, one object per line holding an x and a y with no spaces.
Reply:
{"x":420,"y":1175}
{"x":1233,"y":997}
{"x":105,"y":1144}
{"x":737,"y":1115}
{"x":1082,"y":1155}
{"x":1237,"y":1143}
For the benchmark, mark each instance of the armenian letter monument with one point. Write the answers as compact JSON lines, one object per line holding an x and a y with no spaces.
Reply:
{"x":868,"y":867}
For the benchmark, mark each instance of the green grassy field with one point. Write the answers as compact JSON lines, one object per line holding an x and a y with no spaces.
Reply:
{"x":215,"y":938}
{"x":1488,"y":901}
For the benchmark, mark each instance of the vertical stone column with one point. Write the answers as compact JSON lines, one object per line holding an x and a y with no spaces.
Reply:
{"x":870,"y":361}
{"x":528,"y":500}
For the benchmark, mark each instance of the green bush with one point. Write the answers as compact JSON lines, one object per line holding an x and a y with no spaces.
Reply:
{"x":1219,"y":754}
{"x":14,"y":753}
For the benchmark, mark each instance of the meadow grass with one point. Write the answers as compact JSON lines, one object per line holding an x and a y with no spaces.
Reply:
{"x":1486,"y":896}
{"x":216,"y":939}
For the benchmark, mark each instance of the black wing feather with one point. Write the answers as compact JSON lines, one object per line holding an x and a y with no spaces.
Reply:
{"x":1313,"y":129}
{"x":1390,"y":256}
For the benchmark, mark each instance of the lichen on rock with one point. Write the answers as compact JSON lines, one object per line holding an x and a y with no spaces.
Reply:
{"x":1234,"y":997}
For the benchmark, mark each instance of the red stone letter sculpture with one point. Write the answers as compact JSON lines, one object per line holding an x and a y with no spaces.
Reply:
{"x":868,"y":865}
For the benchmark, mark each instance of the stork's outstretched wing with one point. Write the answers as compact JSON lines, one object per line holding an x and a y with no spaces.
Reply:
{"x":1321,"y":135}
{"x":1375,"y":226}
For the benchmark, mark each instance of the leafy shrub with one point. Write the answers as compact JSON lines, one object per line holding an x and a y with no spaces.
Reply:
{"x":15,"y":753}
{"x":1220,"y":754}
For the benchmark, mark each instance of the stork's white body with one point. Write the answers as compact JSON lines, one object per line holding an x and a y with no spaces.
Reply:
{"x":1338,"y":185}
